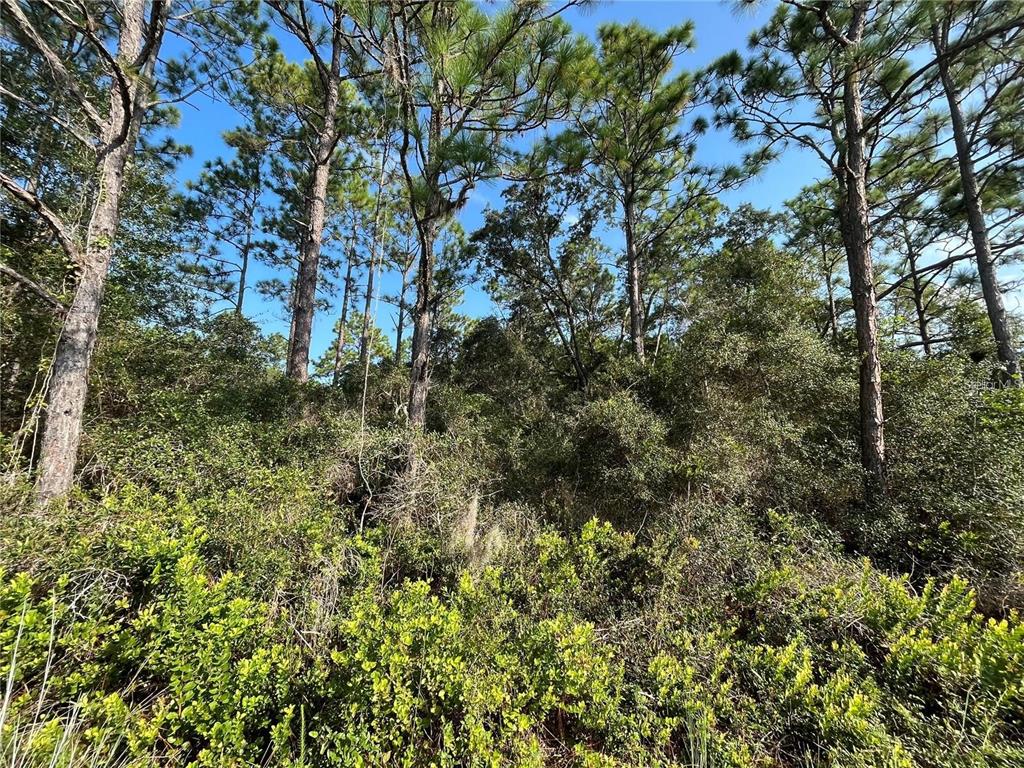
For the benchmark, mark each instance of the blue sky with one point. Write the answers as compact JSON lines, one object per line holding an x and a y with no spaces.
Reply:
{"x":719,"y":29}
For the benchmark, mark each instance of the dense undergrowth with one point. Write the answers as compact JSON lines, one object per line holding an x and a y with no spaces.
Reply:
{"x":674,"y":570}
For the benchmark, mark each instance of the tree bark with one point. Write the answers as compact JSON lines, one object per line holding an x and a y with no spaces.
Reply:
{"x":364,"y":339}
{"x":423,"y":320}
{"x":400,"y":319}
{"x":833,"y":311}
{"x":423,"y":311}
{"x":256,"y":182}
{"x":70,"y":380}
{"x":243,"y":275}
{"x":991,"y":292}
{"x":917,"y":286}
{"x":316,"y":214}
{"x":856,"y":230}
{"x":339,"y":348}
{"x":243,"y":271}
{"x":304,"y":305}
{"x":376,"y":249}
{"x":636,"y":326}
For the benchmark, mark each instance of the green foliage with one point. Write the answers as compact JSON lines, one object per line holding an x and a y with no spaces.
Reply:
{"x":168,"y":651}
{"x":580,"y":558}
{"x":417,"y":681}
{"x":858,"y":672}
{"x":608,"y":456}
{"x":967,"y":520}
{"x":168,"y":659}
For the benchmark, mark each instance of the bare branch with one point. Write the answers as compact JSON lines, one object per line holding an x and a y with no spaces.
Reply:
{"x":55,"y":304}
{"x":31,"y":201}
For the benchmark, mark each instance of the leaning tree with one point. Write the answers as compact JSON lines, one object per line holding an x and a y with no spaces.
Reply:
{"x":101,"y":92}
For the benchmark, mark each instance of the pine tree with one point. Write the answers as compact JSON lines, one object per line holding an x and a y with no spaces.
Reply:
{"x":543,"y":263}
{"x":464,"y":82}
{"x":640,"y":130}
{"x":323,"y":115}
{"x":990,"y":74}
{"x":223,"y":210}
{"x":813,"y":231}
{"x":838,"y":81}
{"x":125,"y":47}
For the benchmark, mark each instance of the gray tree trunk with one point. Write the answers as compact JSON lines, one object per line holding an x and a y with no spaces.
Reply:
{"x":70,"y":379}
{"x":400,"y":320}
{"x":920,"y":308}
{"x":304,"y":306}
{"x":856,"y":231}
{"x":364,"y":339}
{"x":339,"y":348}
{"x":833,"y":314}
{"x":376,"y":249}
{"x":990,"y":290}
{"x":636,"y":325}
{"x":423,"y":320}
{"x":250,"y":226}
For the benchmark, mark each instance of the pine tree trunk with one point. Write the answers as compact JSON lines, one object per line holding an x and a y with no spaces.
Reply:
{"x":364,"y":339}
{"x":922,"y":316}
{"x":70,"y":380}
{"x":242,"y":277}
{"x":304,"y":306}
{"x":400,"y":319}
{"x":243,"y":272}
{"x":976,"y":221}
{"x":376,"y":249}
{"x":833,"y":314}
{"x":423,"y":319}
{"x":636,"y":329}
{"x":250,"y":226}
{"x":918,"y":288}
{"x":857,"y":242}
{"x":339,"y":348}
{"x":423,"y":310}
{"x":833,"y":310}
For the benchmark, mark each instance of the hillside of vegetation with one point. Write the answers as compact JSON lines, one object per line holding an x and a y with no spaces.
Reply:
{"x":735,"y":489}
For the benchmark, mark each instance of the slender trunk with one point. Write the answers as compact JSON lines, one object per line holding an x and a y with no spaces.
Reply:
{"x":857,"y":241}
{"x":364,"y":339}
{"x":339,"y":348}
{"x":69,"y":384}
{"x":567,"y":345}
{"x":636,"y":329}
{"x":918,"y":289}
{"x":423,"y":315}
{"x":423,"y":319}
{"x":316,"y":215}
{"x":304,"y":304}
{"x":976,"y":221}
{"x":243,"y":271}
{"x":242,"y":275}
{"x":247,"y":247}
{"x":400,"y":320}
{"x":291,"y":325}
{"x":922,"y":317}
{"x":571,"y":343}
{"x":833,"y":311}
{"x":375,"y":249}
{"x":399,"y":327}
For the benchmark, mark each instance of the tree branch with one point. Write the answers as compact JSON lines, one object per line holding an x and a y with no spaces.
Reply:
{"x":56,"y":305}
{"x":31,"y":201}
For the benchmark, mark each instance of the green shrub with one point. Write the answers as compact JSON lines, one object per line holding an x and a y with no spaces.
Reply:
{"x":169,"y":660}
